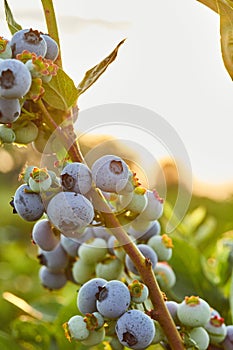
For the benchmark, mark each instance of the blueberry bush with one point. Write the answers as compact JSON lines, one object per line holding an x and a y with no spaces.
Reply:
{"x":86,"y":261}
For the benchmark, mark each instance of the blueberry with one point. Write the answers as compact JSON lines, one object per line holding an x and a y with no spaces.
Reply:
{"x":15,"y":79}
{"x":70,"y":245}
{"x":135,"y":329}
{"x":28,"y":205}
{"x":86,"y":300}
{"x":52,"y":280}
{"x":228,"y":341}
{"x":113,"y":299}
{"x":29,"y":40}
{"x":193,"y":312}
{"x":76,"y":177}
{"x":44,"y":236}
{"x":216,"y":329}
{"x":201,"y":338}
{"x":9,"y":110}
{"x":148,"y":253}
{"x":77,"y":328}
{"x":52,"y":47}
{"x":154,"y":207}
{"x":110,"y":173}
{"x":56,"y":259}
{"x":70,"y":212}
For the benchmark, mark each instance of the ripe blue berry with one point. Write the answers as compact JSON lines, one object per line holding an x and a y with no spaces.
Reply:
{"x":113,"y":299}
{"x":70,"y":212}
{"x":28,"y":205}
{"x":52,"y":47}
{"x":193,"y":312}
{"x":9,"y":110}
{"x":44,"y":236}
{"x":135,"y":329}
{"x":76,"y":177}
{"x":148,"y":253}
{"x":30,"y":40}
{"x":56,"y":259}
{"x":52,"y":280}
{"x":153,"y":230}
{"x":228,"y":341}
{"x":15,"y":79}
{"x":86,"y":300}
{"x":110,"y":173}
{"x":70,"y":245}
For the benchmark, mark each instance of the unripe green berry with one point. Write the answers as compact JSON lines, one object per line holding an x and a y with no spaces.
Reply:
{"x":109,"y":269}
{"x":162,"y":246}
{"x":7,"y":135}
{"x":25,"y":132}
{"x":193,"y":312}
{"x":200,"y":337}
{"x":77,"y":328}
{"x":95,"y":337}
{"x":216,"y":329}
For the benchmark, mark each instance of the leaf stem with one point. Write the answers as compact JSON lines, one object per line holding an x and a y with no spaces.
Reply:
{"x":51,"y":23}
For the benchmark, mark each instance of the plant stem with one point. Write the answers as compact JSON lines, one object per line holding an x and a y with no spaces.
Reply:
{"x":145,"y":269}
{"x":51,"y":23}
{"x":65,"y":133}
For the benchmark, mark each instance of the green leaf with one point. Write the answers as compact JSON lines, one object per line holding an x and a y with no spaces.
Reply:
{"x":190,"y":278}
{"x":226,"y":32}
{"x":60,"y":92}
{"x":231,"y":297}
{"x":6,"y":342}
{"x":12,"y":24}
{"x":94,"y":73}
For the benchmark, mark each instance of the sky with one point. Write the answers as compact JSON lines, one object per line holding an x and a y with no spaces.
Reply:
{"x":170,"y":63}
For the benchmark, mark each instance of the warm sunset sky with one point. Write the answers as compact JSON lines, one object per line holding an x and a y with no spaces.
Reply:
{"x":171,"y":63}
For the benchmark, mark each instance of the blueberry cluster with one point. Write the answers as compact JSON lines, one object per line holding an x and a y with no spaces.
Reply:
{"x":73,"y":243}
{"x":26,"y":62}
{"x":109,"y":309}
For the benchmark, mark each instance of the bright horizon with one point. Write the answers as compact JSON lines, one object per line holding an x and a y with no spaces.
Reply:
{"x":170,"y":63}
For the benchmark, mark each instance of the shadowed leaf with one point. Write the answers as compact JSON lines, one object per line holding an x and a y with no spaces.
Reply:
{"x":94,"y":73}
{"x":12,"y":24}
